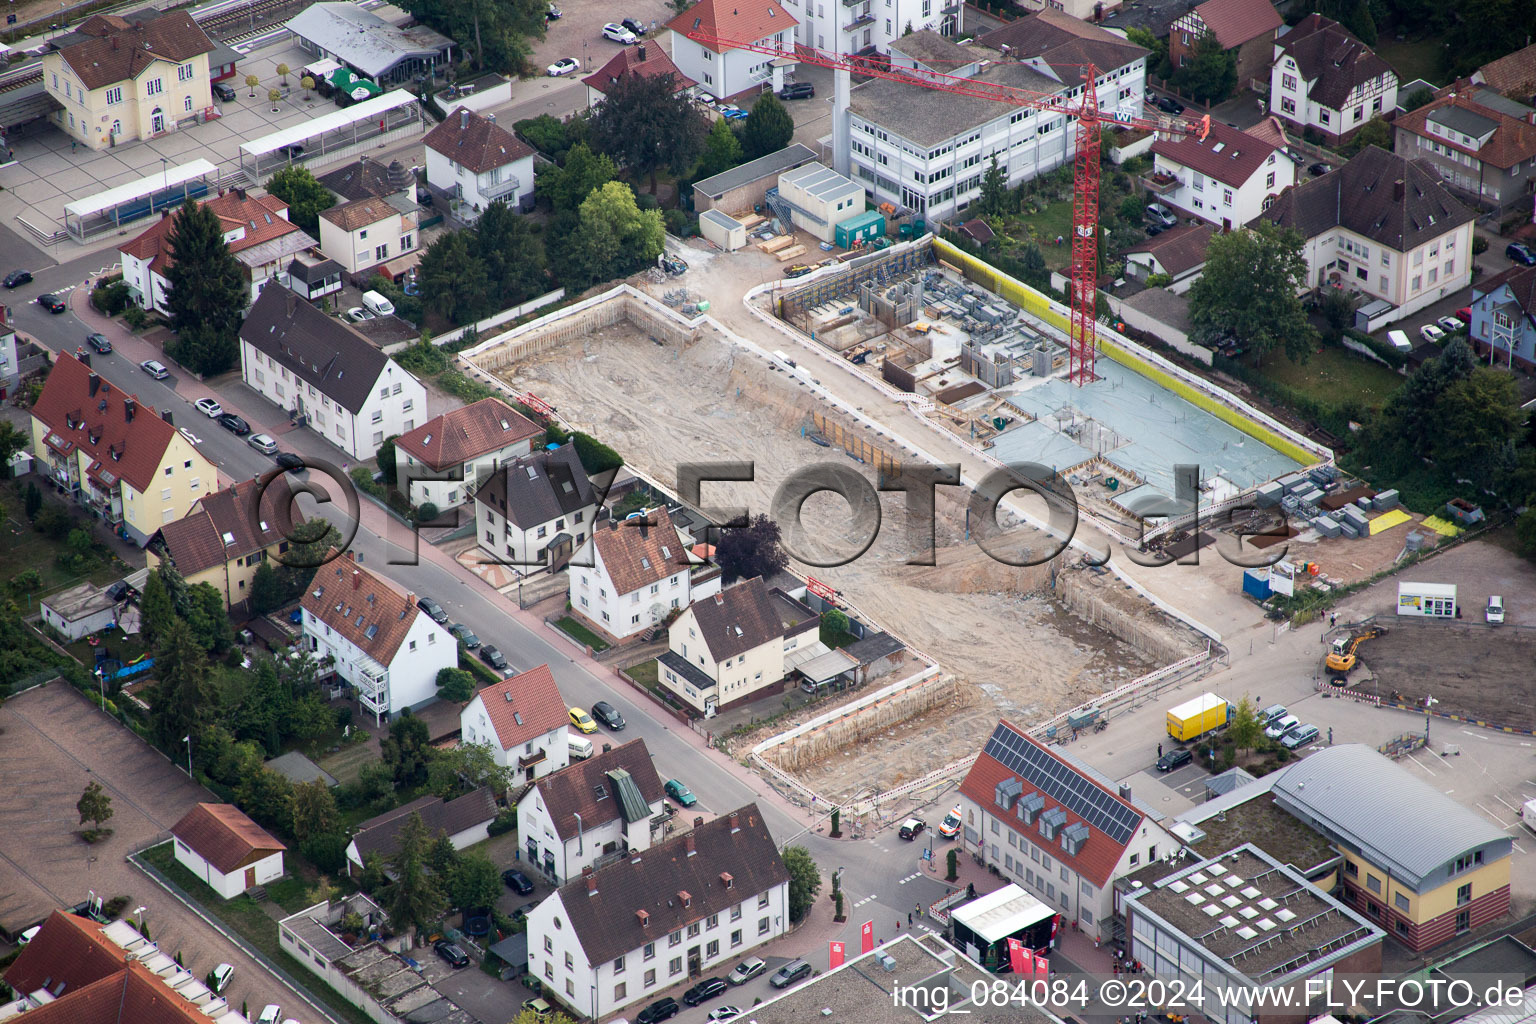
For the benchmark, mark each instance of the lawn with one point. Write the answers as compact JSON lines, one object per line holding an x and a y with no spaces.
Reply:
{"x":118,"y":645}
{"x":1335,"y":376}
{"x":581,"y":634}
{"x":643,"y":673}
{"x":1413,"y":58}
{"x":22,"y":547}
{"x":1053,"y":220}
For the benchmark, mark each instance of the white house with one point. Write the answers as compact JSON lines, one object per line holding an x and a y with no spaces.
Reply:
{"x":721,"y":69}
{"x":1382,"y":225}
{"x":316,"y":367}
{"x":465,"y":820}
{"x":1178,"y":252}
{"x":79,"y":611}
{"x":927,"y":149}
{"x":647,"y":59}
{"x":591,"y":812}
{"x":536,"y":510}
{"x":365,"y":233}
{"x":1227,"y":178}
{"x":866,"y":26}
{"x":449,"y":456}
{"x":475,"y":160}
{"x":1325,"y":79}
{"x":226,"y":849}
{"x":1056,"y":826}
{"x":522,"y":721}
{"x":373,"y":637}
{"x":640,"y":571}
{"x":630,"y":930}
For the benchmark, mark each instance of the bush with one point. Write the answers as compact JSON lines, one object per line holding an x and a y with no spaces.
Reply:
{"x":427,"y":512}
{"x":506,"y":821}
{"x":460,"y":386}
{"x":1159,"y":281}
{"x":135,"y":317}
{"x":110,"y":296}
{"x":1479,"y":245}
{"x":1394,"y":356}
{"x":423,"y":359}
{"x":679,"y":223}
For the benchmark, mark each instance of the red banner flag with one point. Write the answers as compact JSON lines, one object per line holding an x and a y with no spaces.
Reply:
{"x":1042,"y":968}
{"x":1018,"y":958}
{"x":1055,"y":924}
{"x":867,"y":934}
{"x":834,"y":955}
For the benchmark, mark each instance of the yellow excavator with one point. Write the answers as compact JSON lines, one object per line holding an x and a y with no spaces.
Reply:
{"x":1342,"y":657}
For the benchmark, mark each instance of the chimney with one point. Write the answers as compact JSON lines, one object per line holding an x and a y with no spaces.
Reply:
{"x":643,"y":917}
{"x":640,"y":53}
{"x":591,"y":885}
{"x":1398,"y":190}
{"x":84,"y":357}
{"x":240,"y":194}
{"x":1125,"y":793}
{"x":357,"y":579}
{"x":735,"y":819}
{"x":114,"y":42}
{"x":129,"y":408}
{"x":166,"y":415}
{"x":293,"y":302}
{"x":95,"y":383}
{"x":688,"y":844}
{"x":464,"y":118}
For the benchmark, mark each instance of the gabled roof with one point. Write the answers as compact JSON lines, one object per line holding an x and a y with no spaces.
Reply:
{"x":1513,"y":140}
{"x":934,"y":51}
{"x":1065,"y":785}
{"x":978,"y":230}
{"x":130,"y":450}
{"x":1235,"y":22}
{"x":378,"y":835}
{"x":648,"y":60}
{"x":318,"y":349}
{"x":572,"y":790}
{"x":745,"y":21}
{"x":1177,"y":250}
{"x":359,"y":213}
{"x":638,"y":552}
{"x":1513,"y":74}
{"x":365,"y":609}
{"x":738,"y":619}
{"x":523,"y":707}
{"x":259,"y":218}
{"x":1331,"y":58}
{"x":476,"y":142}
{"x":68,"y":948}
{"x":685,"y":879}
{"x":223,"y":836}
{"x":1230,"y":155}
{"x":463,"y":435}
{"x":367,"y":178}
{"x":121,"y":50}
{"x":1037,"y":35}
{"x":1522,"y":284}
{"x":1363,"y":197}
{"x":539,"y":487}
{"x":219,"y":527}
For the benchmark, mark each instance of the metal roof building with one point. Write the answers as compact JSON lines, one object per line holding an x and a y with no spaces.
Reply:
{"x":740,"y":188}
{"x":367,"y":43}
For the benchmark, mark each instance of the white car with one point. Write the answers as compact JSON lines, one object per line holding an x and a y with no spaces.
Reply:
{"x":1429,"y":332}
{"x":1450,"y":325}
{"x":358,"y":314}
{"x":704,"y":98}
{"x":208,"y":407}
{"x":618,"y":33}
{"x":563,"y":66}
{"x":184,"y":432}
{"x":725,"y":1013}
{"x":270,"y":1014}
{"x":221,"y":976}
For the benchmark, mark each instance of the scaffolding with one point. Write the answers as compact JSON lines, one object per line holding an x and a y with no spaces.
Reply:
{"x":795,"y":307}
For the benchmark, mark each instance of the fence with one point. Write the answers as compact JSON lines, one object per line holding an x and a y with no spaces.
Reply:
{"x":489,"y":323}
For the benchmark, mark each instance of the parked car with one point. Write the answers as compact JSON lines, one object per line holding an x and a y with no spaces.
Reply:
{"x":618,"y":33}
{"x":1168,"y":104}
{"x":269,"y":1014}
{"x":1299,"y":737}
{"x":262,"y":443}
{"x":1160,"y":214}
{"x":517,"y":881}
{"x":1431,"y":333}
{"x":1464,"y":314}
{"x":221,"y":975}
{"x":790,"y":973}
{"x":288,"y":460}
{"x":1450,"y":325}
{"x":1495,"y":611}
{"x":745,"y":971}
{"x":465,"y":635}
{"x":1271,"y":714}
{"x":798,"y":270}
{"x":292,"y":152}
{"x":583,"y":721}
{"x":17,"y":278}
{"x":451,"y":954}
{"x":1153,"y":230}
{"x":732,"y":113}
{"x":608,"y":715}
{"x":208,"y":407}
{"x":1280,"y":726}
{"x":539,"y":1008}
{"x":1319,"y":169}
{"x":434,"y":611}
{"x":99,"y":342}
{"x":950,"y":826}
{"x":357,"y":314}
{"x":660,"y":1010}
{"x":522,"y":912}
{"x":552,"y":13}
{"x":634,"y":25}
{"x":681,"y":793}
{"x":234,"y":424}
{"x":563,"y":66}
{"x":709,"y":988}
{"x":797,"y":91}
{"x":52,"y":303}
{"x":704,"y":98}
{"x":912,"y":828}
{"x":492,"y":657}
{"x":155,"y":368}
{"x":720,"y":1013}
{"x":224,"y":91}
{"x":1174,"y":759}
{"x":1520,"y":253}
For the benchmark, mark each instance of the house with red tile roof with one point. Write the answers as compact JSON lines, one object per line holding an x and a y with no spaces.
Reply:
{"x":221,"y":541}
{"x":256,"y":228}
{"x":1481,"y":143}
{"x":1178,"y":252}
{"x":1246,"y":27}
{"x":1226,"y":178}
{"x":1513,"y":75}
{"x":723,"y":70}
{"x":639,"y":572}
{"x":1056,"y":826}
{"x":113,"y":454}
{"x":226,"y":849}
{"x":1322,"y":77}
{"x":734,"y":646}
{"x":647,"y":59}
{"x":477,"y":161}
{"x":448,"y":457}
{"x":522,"y":721}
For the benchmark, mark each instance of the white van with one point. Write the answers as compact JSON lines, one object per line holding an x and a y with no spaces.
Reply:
{"x":378,"y":304}
{"x":1495,"y":613}
{"x":580,"y":747}
{"x":1528,"y":815}
{"x":1399,"y":339}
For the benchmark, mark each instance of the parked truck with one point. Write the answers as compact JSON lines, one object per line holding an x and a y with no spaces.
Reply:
{"x":1195,"y":718}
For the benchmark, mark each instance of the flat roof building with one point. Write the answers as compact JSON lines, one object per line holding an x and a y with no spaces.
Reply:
{"x":367,"y":43}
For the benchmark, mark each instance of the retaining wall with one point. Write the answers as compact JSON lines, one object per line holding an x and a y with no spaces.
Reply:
{"x":1078,"y":593}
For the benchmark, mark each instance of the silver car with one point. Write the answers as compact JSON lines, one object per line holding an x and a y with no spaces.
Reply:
{"x":262,"y":443}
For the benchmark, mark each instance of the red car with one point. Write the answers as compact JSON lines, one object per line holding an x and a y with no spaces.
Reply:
{"x":1464,"y":314}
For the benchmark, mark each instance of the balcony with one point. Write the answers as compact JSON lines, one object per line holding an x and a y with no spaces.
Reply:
{"x":854,"y":3}
{"x":502,"y":188}
{"x":860,"y":22}
{"x":1161,"y":182}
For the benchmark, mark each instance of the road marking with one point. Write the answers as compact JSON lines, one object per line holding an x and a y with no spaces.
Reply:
{"x":1420,"y":764}
{"x":865,"y":900}
{"x":1506,"y":803}
{"x":915,"y":874}
{"x":1490,"y":814}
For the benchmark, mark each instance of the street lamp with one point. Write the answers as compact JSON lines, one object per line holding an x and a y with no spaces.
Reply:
{"x":139,"y":912}
{"x":188,"y":740}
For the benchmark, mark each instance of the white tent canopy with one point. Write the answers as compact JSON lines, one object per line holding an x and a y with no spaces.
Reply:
{"x":150,"y":184}
{"x":337,"y":120}
{"x":1002,"y":913}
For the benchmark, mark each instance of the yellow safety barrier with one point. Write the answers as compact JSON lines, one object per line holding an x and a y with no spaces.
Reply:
{"x":1387,"y":520}
{"x":1444,"y":527}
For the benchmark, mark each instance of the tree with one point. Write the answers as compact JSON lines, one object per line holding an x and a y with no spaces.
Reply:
{"x":768,"y":128}
{"x":267,"y":590}
{"x":1245,"y":725}
{"x":532,"y":1016}
{"x":474,"y":882}
{"x":470,"y":764}
{"x":442,"y":858}
{"x":282,"y":71}
{"x":804,"y":881}
{"x":512,"y":254}
{"x":1209,"y":72}
{"x":208,"y":293}
{"x":208,"y":618}
{"x":11,"y":442}
{"x":497,"y":35}
{"x":32,"y":500}
{"x":752,"y":550}
{"x":274,"y":95}
{"x":181,"y":692}
{"x":414,"y":900}
{"x":406,"y":750}
{"x":610,"y":237}
{"x":304,"y":194}
{"x":455,"y":685}
{"x":308,"y":85}
{"x":995,"y":199}
{"x":268,"y":798}
{"x":312,"y":719}
{"x":1374,"y":132}
{"x":1418,"y":98}
{"x":583,"y":171}
{"x":1477,"y":420}
{"x":94,"y":805}
{"x":453,"y":278}
{"x":1145,"y":39}
{"x":1249,"y":292}
{"x":722,"y":151}
{"x":264,"y":708}
{"x":375,"y":781}
{"x":385,"y":458}
{"x":253,"y":82}
{"x":645,"y":124}
{"x":1338,"y":309}
{"x":314,"y":810}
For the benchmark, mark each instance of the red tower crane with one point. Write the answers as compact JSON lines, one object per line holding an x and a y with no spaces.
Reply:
{"x":1082,"y":347}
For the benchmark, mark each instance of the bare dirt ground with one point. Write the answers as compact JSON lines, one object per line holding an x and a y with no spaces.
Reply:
{"x":1013,"y":649}
{"x":1471,"y":669}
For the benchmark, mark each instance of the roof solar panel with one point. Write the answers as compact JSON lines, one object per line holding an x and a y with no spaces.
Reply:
{"x":1063,"y":784}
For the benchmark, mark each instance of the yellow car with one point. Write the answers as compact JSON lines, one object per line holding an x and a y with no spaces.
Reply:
{"x":583,"y":721}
